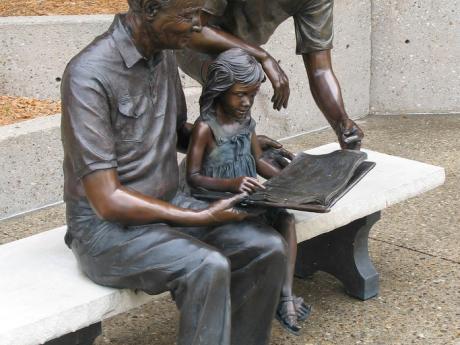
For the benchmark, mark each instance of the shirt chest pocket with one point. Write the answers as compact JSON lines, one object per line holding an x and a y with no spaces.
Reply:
{"x":133,"y":117}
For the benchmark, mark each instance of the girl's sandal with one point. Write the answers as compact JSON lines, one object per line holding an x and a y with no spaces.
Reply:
{"x":303,"y":310}
{"x":286,"y":317}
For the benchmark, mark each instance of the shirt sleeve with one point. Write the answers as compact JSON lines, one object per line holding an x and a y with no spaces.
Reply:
{"x":87,"y":134}
{"x":314,"y":26}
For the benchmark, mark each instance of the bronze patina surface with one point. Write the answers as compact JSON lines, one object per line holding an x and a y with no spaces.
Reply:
{"x":123,"y":114}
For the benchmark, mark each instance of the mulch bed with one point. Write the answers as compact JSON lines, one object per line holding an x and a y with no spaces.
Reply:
{"x":60,"y":7}
{"x":14,"y":109}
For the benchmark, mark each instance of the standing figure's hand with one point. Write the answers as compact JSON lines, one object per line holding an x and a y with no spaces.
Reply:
{"x":349,"y":135}
{"x":279,"y":80}
{"x":274,"y":153}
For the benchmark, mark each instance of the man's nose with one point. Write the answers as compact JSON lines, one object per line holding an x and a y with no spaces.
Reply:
{"x":196,"y":22}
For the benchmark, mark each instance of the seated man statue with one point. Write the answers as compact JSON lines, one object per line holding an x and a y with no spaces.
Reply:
{"x":123,"y":120}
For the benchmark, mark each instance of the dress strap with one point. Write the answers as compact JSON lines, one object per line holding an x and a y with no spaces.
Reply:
{"x":221,"y":136}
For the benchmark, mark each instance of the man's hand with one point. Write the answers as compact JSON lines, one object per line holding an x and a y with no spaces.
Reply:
{"x":279,"y":80}
{"x":349,"y":135}
{"x":274,"y":153}
{"x":222,"y":211}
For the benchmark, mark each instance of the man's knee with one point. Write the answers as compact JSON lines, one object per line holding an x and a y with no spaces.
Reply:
{"x":216,"y":263}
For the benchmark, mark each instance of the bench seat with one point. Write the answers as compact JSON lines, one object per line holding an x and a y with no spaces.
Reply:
{"x":44,"y":296}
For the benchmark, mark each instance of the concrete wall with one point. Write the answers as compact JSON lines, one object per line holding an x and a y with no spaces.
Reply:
{"x":415,"y":57}
{"x":30,"y":165}
{"x":35,"y":51}
{"x":414,"y":69}
{"x":351,"y":58}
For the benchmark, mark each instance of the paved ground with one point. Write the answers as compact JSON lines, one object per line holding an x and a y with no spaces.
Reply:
{"x":415,"y":248}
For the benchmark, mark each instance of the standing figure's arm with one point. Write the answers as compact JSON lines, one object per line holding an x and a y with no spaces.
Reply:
{"x":214,"y":41}
{"x":327,"y":94}
{"x":201,"y":140}
{"x":184,"y":132}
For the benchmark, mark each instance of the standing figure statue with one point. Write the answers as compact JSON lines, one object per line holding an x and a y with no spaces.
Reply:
{"x":123,"y":120}
{"x":254,"y":21}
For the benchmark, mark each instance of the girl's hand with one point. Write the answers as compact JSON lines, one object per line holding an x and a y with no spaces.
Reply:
{"x":245,"y":184}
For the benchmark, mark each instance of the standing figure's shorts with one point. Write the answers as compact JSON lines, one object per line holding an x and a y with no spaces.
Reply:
{"x":314,"y":26}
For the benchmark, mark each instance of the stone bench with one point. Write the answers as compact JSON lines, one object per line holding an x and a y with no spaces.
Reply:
{"x":44,"y":296}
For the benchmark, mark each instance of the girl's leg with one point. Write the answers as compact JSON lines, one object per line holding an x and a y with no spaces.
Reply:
{"x":286,"y":312}
{"x":285,"y":224}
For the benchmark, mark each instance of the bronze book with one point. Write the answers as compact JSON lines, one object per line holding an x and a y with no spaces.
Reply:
{"x":309,"y":183}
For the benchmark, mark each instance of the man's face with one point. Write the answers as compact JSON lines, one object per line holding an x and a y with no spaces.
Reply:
{"x":173,"y":26}
{"x":237,"y":101}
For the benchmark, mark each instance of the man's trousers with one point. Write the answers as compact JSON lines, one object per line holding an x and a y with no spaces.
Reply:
{"x":226,"y":280}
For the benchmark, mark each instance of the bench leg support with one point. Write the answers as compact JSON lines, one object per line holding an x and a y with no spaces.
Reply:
{"x":84,"y":336}
{"x":344,"y":254}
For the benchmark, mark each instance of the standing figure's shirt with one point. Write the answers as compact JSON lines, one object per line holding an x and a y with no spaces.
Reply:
{"x":121,"y":111}
{"x":255,"y":21}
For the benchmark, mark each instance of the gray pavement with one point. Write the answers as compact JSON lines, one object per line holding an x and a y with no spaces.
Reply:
{"x":415,"y":248}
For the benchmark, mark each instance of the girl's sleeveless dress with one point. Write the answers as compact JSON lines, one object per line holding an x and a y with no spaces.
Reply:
{"x":231,"y":157}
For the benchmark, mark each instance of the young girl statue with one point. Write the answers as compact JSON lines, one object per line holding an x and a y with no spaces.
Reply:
{"x":224,"y":155}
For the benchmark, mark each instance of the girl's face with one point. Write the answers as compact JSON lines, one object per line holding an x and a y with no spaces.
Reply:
{"x":237,"y":101}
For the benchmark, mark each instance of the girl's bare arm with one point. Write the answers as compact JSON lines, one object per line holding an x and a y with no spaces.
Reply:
{"x":201,"y":140}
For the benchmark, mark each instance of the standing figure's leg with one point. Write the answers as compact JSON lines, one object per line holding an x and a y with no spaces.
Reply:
{"x":257,"y":257}
{"x":156,"y":258}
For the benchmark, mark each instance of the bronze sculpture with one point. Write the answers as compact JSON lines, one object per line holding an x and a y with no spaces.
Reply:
{"x":224,"y":155}
{"x":123,"y":112}
{"x":254,"y":21}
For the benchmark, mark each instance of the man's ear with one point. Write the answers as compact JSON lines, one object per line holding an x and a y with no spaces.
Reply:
{"x":150,"y":9}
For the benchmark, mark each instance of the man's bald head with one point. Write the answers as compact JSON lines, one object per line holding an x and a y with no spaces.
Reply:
{"x":147,"y":6}
{"x":150,"y":7}
{"x":163,"y":24}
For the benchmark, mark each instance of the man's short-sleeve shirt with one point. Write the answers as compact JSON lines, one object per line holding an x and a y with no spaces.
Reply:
{"x":121,"y":111}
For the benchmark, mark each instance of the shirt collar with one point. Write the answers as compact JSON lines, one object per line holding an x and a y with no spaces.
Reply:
{"x":124,"y":42}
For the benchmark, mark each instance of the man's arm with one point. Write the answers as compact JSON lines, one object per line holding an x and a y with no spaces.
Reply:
{"x":214,"y":41}
{"x":113,"y":202}
{"x":328,"y":96}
